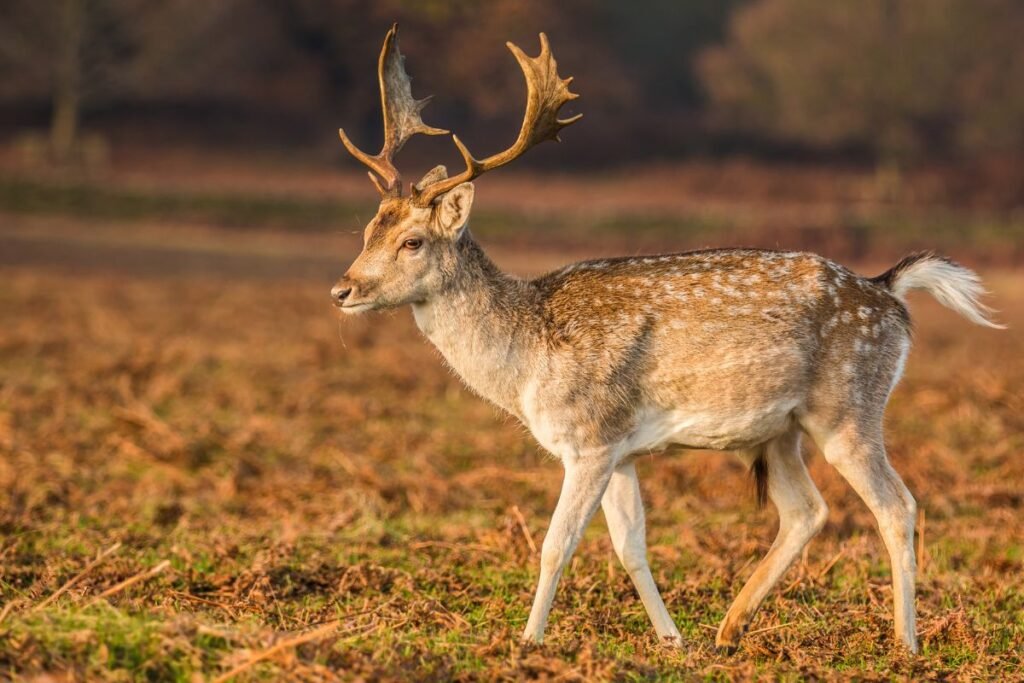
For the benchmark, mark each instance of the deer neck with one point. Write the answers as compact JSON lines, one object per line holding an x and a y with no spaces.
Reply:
{"x":483,"y":323}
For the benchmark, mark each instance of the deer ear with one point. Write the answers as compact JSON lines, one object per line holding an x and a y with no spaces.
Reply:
{"x":434,"y":175}
{"x":453,"y":208}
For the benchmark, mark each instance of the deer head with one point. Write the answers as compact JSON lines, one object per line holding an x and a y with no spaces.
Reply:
{"x":409,"y":248}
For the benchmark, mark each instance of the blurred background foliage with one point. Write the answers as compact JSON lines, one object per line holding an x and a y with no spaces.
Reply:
{"x":905,"y":79}
{"x":892,"y":81}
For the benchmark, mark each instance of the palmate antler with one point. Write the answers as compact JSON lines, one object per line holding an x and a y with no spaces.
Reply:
{"x":546,"y":92}
{"x":401,"y":118}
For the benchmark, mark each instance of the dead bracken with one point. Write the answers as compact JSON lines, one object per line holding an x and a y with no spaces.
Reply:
{"x":376,"y":507}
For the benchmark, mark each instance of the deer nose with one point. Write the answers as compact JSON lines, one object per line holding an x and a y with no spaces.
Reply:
{"x":339,"y":293}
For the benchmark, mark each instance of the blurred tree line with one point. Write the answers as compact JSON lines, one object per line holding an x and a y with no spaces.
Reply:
{"x":901,"y":80}
{"x":906,"y":79}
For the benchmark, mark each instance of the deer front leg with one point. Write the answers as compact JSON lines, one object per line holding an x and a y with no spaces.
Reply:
{"x":624,"y":512}
{"x":584,"y":483}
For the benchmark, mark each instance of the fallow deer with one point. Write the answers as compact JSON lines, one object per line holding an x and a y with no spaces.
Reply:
{"x":742,"y":350}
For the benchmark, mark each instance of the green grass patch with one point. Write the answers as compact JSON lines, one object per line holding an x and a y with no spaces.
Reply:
{"x":102,"y":642}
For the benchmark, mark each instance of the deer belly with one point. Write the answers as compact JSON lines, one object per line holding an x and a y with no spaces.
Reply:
{"x":716,"y":430}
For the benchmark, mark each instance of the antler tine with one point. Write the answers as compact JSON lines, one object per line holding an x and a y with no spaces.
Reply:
{"x":401,"y":118}
{"x":546,"y":92}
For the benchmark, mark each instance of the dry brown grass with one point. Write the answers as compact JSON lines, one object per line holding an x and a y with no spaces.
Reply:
{"x":299,"y":474}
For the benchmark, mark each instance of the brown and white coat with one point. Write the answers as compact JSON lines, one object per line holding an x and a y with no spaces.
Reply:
{"x":734,"y":349}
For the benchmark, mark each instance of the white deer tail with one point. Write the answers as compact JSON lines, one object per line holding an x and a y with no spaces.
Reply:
{"x":951,"y":284}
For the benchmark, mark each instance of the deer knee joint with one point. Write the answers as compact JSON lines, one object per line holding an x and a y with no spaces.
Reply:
{"x":552,"y":555}
{"x":819,"y":515}
{"x":633,"y":556}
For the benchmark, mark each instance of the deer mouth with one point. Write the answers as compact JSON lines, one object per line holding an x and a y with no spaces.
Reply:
{"x":356,"y":307}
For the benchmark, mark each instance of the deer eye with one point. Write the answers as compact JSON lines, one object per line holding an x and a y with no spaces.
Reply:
{"x":413,"y":243}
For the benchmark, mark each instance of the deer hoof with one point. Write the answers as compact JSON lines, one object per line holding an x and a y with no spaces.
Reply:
{"x":728,"y":638}
{"x":672,"y":642}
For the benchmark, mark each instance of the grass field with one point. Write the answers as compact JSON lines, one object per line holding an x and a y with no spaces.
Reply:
{"x":201,"y":467}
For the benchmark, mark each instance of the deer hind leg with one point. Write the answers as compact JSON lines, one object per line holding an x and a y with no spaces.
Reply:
{"x":624,"y":512}
{"x":856,"y":450}
{"x":802,"y":513}
{"x":582,"y":488}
